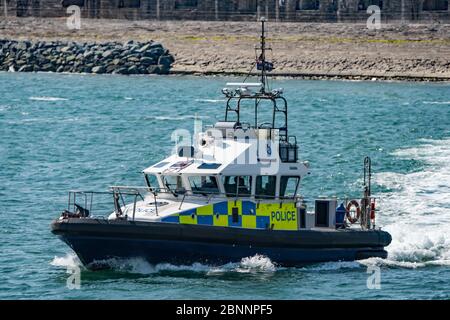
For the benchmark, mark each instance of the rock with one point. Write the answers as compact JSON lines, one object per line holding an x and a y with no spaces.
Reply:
{"x":132,"y":58}
{"x":116,"y":62}
{"x":156,"y":45}
{"x":86,"y":69}
{"x":133,"y":70}
{"x":21,"y":46}
{"x":26,"y":68}
{"x":142,"y":70}
{"x":164,"y":69}
{"x":121,"y":70}
{"x":113,"y":57}
{"x":146,"y":61}
{"x":88,"y":54}
{"x":154,"y":53}
{"x":48,"y":67}
{"x":110,"y":68}
{"x":166,"y":60}
{"x":66,"y":49}
{"x":154,"y":69}
{"x":145,"y":48}
{"x":107,"y":54}
{"x":98,"y":69}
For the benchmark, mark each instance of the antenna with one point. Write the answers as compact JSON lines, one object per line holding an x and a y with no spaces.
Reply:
{"x":261,"y":63}
{"x":367,"y":174}
{"x":263,"y":55}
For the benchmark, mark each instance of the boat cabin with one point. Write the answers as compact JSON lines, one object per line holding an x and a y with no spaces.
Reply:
{"x":235,"y":157}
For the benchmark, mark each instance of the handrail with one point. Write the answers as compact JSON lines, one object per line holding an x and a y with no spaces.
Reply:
{"x":204,"y":194}
{"x":137,"y":191}
{"x":121,"y":191}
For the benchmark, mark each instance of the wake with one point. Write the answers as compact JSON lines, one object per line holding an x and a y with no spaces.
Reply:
{"x":417,"y":209}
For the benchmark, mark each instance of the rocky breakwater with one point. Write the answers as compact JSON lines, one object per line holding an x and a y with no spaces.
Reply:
{"x":111,"y":57}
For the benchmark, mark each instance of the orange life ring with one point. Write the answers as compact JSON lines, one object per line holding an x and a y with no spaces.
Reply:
{"x":358,"y":211}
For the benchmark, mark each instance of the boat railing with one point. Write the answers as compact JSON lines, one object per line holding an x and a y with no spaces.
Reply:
{"x":81,"y":203}
{"x":367,"y":218}
{"x":198,"y":193}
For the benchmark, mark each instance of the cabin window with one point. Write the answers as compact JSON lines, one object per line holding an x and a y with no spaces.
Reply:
{"x":248,"y":6}
{"x":435,"y":5}
{"x":289,"y":186}
{"x":237,"y":185}
{"x":129,"y":4}
{"x":151,"y":180}
{"x":68,"y":3}
{"x":173,"y":184}
{"x":364,"y":4}
{"x":184,"y":4}
{"x":307,"y":5}
{"x":265,"y":186}
{"x":203,"y":184}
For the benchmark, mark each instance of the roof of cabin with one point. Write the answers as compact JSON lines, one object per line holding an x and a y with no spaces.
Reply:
{"x":211,"y":159}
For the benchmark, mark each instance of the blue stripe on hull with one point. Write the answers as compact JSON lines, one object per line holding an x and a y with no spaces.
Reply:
{"x":91,"y":249}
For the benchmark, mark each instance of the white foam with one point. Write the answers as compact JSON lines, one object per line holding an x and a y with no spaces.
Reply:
{"x":257,"y":263}
{"x":417,"y":210}
{"x":332,"y":266}
{"x":391,"y":263}
{"x":180,"y":117}
{"x":48,"y":99}
{"x":210,"y":100}
{"x":4,"y":107}
{"x":436,"y":102}
{"x":69,"y":260}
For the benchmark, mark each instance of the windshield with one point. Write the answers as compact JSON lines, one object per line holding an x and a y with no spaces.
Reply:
{"x":289,"y":186}
{"x":173,"y":183}
{"x":152,"y":181}
{"x":204,"y":184}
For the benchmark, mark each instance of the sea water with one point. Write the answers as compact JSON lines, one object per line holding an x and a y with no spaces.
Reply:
{"x":61,"y":132}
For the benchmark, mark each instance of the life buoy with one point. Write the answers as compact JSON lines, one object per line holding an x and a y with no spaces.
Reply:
{"x":358,"y":211}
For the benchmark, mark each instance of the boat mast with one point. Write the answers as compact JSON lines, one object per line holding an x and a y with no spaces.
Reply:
{"x":261,"y":63}
{"x":262,"y":58}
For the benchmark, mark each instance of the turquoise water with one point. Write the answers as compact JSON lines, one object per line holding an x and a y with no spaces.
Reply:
{"x":62,"y":132}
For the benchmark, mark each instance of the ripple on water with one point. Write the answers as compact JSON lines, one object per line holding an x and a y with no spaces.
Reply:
{"x":62,"y":132}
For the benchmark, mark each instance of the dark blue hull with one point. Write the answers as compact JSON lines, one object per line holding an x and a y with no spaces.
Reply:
{"x":95,"y":243}
{"x":94,"y":252}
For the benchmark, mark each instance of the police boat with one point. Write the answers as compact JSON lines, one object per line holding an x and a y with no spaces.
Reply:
{"x":233,"y":193}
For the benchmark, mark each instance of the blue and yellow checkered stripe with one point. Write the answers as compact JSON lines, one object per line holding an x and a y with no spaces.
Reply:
{"x":243,"y":214}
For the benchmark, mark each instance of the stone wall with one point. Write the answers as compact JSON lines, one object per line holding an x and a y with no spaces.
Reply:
{"x":59,"y":56}
{"x":280,"y":10}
